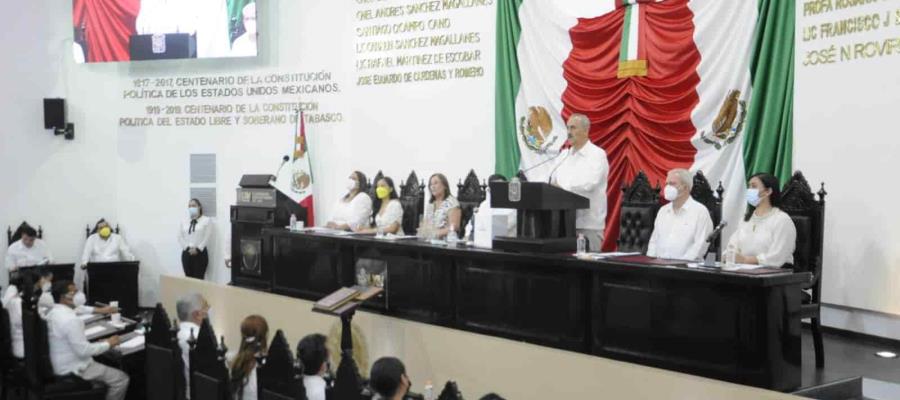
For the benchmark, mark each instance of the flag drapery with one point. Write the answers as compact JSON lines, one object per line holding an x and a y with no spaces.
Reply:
{"x":665,"y":83}
{"x":295,"y":180}
{"x":108,"y":26}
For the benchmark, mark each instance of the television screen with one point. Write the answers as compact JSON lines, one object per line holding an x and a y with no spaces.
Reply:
{"x":131,"y":30}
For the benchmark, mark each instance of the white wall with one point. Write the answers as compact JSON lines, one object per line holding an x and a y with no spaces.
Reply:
{"x":844,"y":135}
{"x":60,"y":185}
{"x":138,"y":177}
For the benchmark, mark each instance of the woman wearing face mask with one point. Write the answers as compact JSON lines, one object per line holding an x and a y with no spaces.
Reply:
{"x":355,"y":208}
{"x":254,"y":339}
{"x":767,"y":235}
{"x":442,"y":212}
{"x":103,"y":245}
{"x":389,"y":214}
{"x":193,"y":236}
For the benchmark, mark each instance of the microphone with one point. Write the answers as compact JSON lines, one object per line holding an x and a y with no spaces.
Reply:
{"x":716,"y":232}
{"x":284,"y":160}
{"x":550,"y":178}
{"x":523,"y":171}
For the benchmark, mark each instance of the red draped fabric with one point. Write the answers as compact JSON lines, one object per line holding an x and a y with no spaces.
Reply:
{"x":643,"y":123}
{"x":108,"y":26}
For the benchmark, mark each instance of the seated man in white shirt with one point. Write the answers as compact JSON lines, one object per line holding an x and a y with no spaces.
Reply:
{"x":584,"y":171}
{"x":491,"y":222}
{"x":682,"y":226}
{"x":28,"y":251}
{"x":103,"y":245}
{"x":314,"y":355}
{"x":192,"y":309}
{"x":70,"y":351}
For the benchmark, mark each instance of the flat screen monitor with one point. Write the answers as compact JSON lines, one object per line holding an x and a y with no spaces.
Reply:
{"x":134,"y":30}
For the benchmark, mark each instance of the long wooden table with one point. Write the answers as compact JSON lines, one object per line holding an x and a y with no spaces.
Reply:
{"x":731,"y":326}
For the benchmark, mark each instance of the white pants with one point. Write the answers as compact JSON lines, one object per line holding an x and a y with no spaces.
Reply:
{"x":116,"y":380}
{"x":594,"y":238}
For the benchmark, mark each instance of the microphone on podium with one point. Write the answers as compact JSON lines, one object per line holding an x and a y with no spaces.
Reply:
{"x":284,"y":160}
{"x":716,"y":232}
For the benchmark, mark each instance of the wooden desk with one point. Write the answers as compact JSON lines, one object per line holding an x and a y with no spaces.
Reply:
{"x":722,"y":325}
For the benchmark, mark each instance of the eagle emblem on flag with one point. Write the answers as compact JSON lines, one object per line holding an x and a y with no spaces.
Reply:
{"x":536,"y":129}
{"x":728,"y":123}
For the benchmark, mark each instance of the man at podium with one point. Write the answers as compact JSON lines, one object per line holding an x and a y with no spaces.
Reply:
{"x":28,"y":251}
{"x":583,"y":171}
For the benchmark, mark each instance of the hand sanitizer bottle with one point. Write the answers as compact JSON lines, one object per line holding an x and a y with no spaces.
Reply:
{"x":582,"y":244}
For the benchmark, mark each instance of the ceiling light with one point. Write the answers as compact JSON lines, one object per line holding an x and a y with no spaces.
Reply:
{"x":886,"y":354}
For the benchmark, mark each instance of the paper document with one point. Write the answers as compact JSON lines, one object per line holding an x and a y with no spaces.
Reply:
{"x":134,"y":342}
{"x":94,"y":330}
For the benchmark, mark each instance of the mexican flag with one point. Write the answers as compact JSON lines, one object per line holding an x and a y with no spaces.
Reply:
{"x":295,"y":180}
{"x":702,"y":84}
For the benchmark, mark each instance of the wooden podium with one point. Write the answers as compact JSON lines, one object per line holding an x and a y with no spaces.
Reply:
{"x":545,"y":216}
{"x":114,"y":281}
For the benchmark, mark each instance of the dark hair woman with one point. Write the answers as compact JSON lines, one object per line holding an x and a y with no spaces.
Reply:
{"x":355,"y":208}
{"x":193,"y":236}
{"x":767,"y":235}
{"x":388,"y":215}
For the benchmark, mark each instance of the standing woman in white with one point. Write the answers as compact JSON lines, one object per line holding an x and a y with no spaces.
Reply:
{"x":103,"y":245}
{"x":193,"y":236}
{"x":767,"y":235}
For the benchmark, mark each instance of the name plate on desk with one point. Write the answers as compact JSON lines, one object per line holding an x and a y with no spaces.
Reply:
{"x":256,"y":197}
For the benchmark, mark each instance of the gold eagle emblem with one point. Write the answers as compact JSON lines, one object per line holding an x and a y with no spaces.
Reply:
{"x":729,"y":123}
{"x":536,"y":128}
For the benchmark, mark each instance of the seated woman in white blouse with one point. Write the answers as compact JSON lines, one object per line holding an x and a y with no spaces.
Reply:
{"x":442,"y":213}
{"x":767,"y":235}
{"x":355,"y":208}
{"x":389,"y":214}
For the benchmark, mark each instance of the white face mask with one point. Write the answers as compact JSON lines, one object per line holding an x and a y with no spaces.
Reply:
{"x":46,"y":287}
{"x":351,"y":184}
{"x":79,"y":299}
{"x":670,"y":193}
{"x":753,"y":197}
{"x":194,"y":211}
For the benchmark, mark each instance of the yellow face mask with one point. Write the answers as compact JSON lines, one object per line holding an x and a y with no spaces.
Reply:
{"x":105,"y":232}
{"x":382,"y":192}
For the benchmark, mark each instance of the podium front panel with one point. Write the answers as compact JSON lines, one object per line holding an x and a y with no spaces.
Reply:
{"x":114,"y":281}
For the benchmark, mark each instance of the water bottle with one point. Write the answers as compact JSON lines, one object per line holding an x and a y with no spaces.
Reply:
{"x":470,"y":229}
{"x":451,"y":235}
{"x":428,"y":393}
{"x":582,"y":244}
{"x":293,"y":221}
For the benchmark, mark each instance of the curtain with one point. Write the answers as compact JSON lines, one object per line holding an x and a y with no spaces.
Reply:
{"x":506,"y":146}
{"x":108,"y":26}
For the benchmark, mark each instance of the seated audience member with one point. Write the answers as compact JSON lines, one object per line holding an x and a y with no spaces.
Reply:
{"x":355,"y":208}
{"x":487,"y":219}
{"x":314,"y":355}
{"x":12,"y":302}
{"x":388,"y":379}
{"x":42,"y":291}
{"x":682,"y":226}
{"x":442,"y":214}
{"x":254,"y":340}
{"x":246,"y":44}
{"x":28,"y":251}
{"x":388,"y":210}
{"x":81,"y":307}
{"x":70,"y":351}
{"x":191,"y":309}
{"x":767,"y":235}
{"x":491,"y":396}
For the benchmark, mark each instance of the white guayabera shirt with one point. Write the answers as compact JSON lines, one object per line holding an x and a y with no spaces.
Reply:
{"x":681,"y":234}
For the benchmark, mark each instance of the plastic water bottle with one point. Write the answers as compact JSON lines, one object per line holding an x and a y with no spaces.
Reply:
{"x":429,"y":391}
{"x":470,"y":229}
{"x":451,"y":235}
{"x":582,"y":244}
{"x":293,"y":221}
